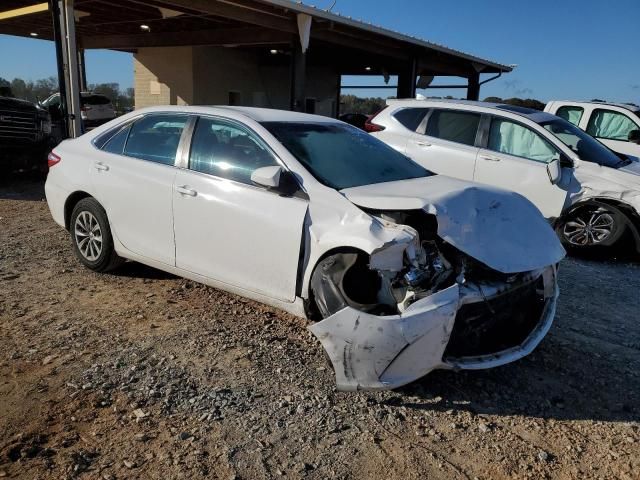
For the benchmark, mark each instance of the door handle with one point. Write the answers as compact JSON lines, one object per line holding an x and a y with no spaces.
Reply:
{"x":185,"y":190}
{"x":489,"y":158}
{"x":101,"y":166}
{"x":420,"y":143}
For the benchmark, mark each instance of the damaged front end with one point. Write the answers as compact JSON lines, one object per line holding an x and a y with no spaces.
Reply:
{"x":419,"y":304}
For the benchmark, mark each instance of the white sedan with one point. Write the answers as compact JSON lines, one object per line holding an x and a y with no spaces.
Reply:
{"x":400,"y":271}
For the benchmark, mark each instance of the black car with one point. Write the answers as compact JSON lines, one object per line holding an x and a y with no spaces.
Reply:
{"x":25,"y":135}
{"x":355,"y":119}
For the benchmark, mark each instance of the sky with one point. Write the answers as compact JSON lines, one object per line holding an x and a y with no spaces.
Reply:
{"x":564,"y":49}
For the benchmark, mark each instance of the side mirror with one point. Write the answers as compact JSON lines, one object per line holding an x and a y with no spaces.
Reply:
{"x":554,"y":170}
{"x":267,"y":176}
{"x":634,"y":136}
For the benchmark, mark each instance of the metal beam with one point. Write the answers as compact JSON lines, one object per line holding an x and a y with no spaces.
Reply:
{"x":407,"y":80}
{"x":64,"y":17}
{"x":19,"y":12}
{"x":262,"y":18}
{"x":473,"y":89}
{"x":224,"y":36}
{"x":298,"y":78}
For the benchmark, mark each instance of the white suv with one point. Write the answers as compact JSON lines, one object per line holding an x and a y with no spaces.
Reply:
{"x":614,"y":124}
{"x":95,"y":108}
{"x":591,"y":194}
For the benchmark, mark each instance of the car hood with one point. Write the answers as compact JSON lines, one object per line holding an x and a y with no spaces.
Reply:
{"x":501,"y":229}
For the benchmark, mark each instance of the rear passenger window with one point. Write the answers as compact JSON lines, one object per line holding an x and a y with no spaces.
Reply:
{"x":570,"y":114}
{"x":459,"y":127}
{"x":156,"y":138}
{"x":116,"y":143}
{"x":228,"y":151}
{"x":411,"y":117}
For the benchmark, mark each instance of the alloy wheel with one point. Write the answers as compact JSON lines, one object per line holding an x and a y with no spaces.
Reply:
{"x":588,"y":228}
{"x":88,"y":236}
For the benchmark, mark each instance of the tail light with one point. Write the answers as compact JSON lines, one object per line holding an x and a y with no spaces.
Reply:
{"x":370,"y":127}
{"x":53,"y":159}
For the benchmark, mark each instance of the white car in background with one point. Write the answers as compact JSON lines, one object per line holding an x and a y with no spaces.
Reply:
{"x":403,"y":271}
{"x":616,"y":125}
{"x":95,"y":108}
{"x":591,"y":194}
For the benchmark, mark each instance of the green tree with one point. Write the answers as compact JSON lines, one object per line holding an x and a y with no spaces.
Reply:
{"x":365,"y":105}
{"x":5,"y":88}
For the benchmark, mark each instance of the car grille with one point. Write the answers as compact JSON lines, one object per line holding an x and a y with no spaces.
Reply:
{"x":17,"y":125}
{"x":496,"y":324}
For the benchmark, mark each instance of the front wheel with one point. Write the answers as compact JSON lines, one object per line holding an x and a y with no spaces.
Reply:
{"x":91,"y":236}
{"x":590,"y":227}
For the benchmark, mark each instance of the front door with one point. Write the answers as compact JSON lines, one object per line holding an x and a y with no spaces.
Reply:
{"x":228,"y":229}
{"x":516,"y":158}
{"x":612,"y":128}
{"x":133,"y":179}
{"x":446,"y":144}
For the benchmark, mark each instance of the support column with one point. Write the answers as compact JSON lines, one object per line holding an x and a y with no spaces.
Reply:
{"x":58,"y":41}
{"x":407,"y":81}
{"x":298,"y":78}
{"x":473,"y":89}
{"x":83,"y":70}
{"x":68,"y":74}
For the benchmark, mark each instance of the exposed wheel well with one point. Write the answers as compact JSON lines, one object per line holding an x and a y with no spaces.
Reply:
{"x":71,"y":202}
{"x":311,"y":308}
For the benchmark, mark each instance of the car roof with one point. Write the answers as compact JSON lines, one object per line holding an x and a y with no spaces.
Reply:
{"x":536,"y":116}
{"x":254,"y":113}
{"x":631,"y":108}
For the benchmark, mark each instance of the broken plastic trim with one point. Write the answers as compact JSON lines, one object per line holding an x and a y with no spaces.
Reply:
{"x":371,"y":352}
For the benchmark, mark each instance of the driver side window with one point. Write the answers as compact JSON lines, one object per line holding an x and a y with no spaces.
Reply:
{"x":515,"y":139}
{"x":227,"y":151}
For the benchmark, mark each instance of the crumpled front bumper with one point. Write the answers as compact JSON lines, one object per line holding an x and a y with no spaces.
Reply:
{"x":371,"y":352}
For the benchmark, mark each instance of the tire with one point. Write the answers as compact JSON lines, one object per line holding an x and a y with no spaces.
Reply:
{"x":91,"y":236}
{"x":591,"y":227}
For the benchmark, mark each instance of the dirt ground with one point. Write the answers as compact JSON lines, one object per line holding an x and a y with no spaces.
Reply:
{"x":139,"y":374}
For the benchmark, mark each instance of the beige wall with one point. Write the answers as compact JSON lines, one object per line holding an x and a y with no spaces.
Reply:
{"x":206,"y":75}
{"x":163,"y":76}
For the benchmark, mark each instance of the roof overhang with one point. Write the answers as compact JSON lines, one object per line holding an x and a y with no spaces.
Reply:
{"x":351,"y":44}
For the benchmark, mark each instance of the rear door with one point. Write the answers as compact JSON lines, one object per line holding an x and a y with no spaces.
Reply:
{"x":515,"y":158}
{"x":133,"y":179}
{"x":227,"y":228}
{"x":612,"y":128}
{"x":445,"y":142}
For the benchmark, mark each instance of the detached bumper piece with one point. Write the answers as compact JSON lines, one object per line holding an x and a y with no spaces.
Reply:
{"x":467,"y":326}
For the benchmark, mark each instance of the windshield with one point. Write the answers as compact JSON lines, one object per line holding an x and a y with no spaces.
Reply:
{"x":583,"y":144}
{"x":342,"y":156}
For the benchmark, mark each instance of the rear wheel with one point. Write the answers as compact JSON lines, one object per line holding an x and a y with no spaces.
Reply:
{"x":592,"y":226}
{"x":91,"y":236}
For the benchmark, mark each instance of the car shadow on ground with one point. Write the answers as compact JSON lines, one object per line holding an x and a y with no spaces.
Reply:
{"x":21,"y":186}
{"x":523,"y":390}
{"x":585,"y":369}
{"x":138,"y":270}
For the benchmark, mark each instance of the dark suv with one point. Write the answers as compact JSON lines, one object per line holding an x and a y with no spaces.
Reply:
{"x":25,"y":135}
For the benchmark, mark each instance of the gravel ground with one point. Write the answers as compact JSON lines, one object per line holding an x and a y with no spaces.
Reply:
{"x":139,"y":374}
